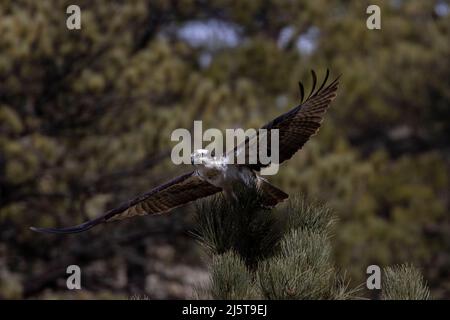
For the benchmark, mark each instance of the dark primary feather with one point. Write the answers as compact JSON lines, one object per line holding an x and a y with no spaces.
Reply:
{"x":300,"y":123}
{"x":302,"y":91}
{"x":314,"y":83}
{"x":179,"y":191}
{"x":324,"y":81}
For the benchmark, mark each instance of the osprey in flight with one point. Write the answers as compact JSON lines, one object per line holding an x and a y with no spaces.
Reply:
{"x":212,"y":175}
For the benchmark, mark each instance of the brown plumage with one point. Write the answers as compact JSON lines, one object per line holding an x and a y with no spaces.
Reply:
{"x":179,"y":191}
{"x":300,"y":123}
{"x":295,"y":128}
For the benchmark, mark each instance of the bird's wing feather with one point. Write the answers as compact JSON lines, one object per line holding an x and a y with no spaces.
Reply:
{"x":179,"y":191}
{"x":297,"y":125}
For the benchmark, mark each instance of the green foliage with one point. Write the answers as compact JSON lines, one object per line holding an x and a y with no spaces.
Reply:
{"x":241,"y":226}
{"x":297,"y":263}
{"x":306,"y":216}
{"x":301,"y":270}
{"x":230,"y":278}
{"x":404,"y":282}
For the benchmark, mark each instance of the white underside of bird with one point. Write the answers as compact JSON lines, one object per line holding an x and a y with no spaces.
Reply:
{"x":219,"y":172}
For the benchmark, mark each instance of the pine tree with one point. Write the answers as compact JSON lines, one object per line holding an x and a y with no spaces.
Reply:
{"x":281,"y":253}
{"x":404,"y":282}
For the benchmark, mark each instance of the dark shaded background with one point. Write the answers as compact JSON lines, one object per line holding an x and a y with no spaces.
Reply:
{"x":86,"y":118}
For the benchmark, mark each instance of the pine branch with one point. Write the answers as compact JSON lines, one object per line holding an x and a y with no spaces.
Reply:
{"x":404,"y":282}
{"x":241,"y":225}
{"x":230,"y":278}
{"x":283,"y":253}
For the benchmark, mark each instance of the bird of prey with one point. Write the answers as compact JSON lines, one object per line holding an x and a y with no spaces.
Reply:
{"x":212,"y":175}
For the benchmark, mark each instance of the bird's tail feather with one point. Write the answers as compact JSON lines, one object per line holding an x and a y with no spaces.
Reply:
{"x":271,"y":194}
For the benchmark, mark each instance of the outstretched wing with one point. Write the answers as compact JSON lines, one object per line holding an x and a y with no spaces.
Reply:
{"x":297,"y":125}
{"x":179,"y":191}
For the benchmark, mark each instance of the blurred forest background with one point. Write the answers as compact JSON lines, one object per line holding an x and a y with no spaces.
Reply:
{"x":86,"y":117}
